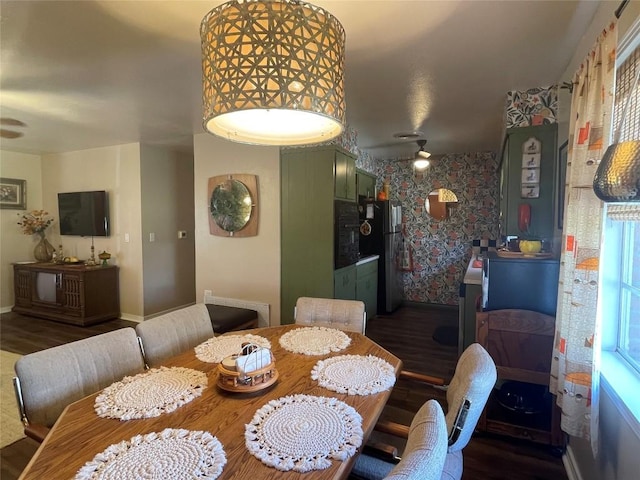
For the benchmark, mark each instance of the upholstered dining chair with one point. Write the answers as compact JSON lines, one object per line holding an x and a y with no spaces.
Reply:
{"x":173,"y":333}
{"x":467,"y":394}
{"x":423,"y":457}
{"x":346,"y":315}
{"x":49,"y":380}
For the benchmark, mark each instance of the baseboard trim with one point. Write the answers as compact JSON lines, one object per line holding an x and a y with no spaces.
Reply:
{"x":131,"y":318}
{"x":570,"y":465}
{"x":6,"y":309}
{"x":439,"y":306}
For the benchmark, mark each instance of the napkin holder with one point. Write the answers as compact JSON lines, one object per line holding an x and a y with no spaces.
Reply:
{"x":251,"y":370}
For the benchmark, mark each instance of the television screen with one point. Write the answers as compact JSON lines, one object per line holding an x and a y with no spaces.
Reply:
{"x":84,"y":214}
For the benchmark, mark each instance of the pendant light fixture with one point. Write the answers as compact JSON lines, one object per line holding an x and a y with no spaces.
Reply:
{"x":272,"y":72}
{"x":421,"y":162}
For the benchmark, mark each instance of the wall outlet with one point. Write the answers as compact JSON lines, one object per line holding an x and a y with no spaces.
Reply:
{"x":208,"y":293}
{"x":152,"y":237}
{"x":182,"y":234}
{"x":126,"y":238}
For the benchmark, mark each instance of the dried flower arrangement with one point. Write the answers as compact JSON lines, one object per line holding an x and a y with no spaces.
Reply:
{"x":36,"y":221}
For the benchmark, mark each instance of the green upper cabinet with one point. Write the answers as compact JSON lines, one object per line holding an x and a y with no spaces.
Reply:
{"x":366,"y":183}
{"x":345,"y":178}
{"x":529,"y":177}
{"x":308,"y":184}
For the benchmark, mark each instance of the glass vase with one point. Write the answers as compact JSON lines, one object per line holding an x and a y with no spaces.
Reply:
{"x":43,"y":250}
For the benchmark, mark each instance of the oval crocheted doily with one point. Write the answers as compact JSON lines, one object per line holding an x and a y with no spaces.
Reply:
{"x":150,"y":394}
{"x":217,"y":348}
{"x":354,"y":374}
{"x":168,"y":455}
{"x":302,"y":432}
{"x":315,"y":340}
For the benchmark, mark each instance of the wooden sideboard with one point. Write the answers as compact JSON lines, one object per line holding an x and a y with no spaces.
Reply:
{"x":521,"y":345}
{"x":76,"y":294}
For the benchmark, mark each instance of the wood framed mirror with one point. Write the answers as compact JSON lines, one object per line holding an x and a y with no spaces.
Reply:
{"x":233,"y":205}
{"x":440,"y":203}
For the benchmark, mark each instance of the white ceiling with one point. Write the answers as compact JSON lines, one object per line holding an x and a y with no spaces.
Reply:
{"x":84,"y":74}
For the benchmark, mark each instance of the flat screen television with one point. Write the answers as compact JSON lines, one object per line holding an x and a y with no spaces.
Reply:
{"x":84,"y":214}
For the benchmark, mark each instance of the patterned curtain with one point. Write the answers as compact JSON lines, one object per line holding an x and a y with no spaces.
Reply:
{"x":575,"y":364}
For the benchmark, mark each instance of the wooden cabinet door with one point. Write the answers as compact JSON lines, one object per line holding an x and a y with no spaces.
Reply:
{"x":344,"y":283}
{"x":345,"y":176}
{"x":367,"y":287}
{"x":366,"y":184}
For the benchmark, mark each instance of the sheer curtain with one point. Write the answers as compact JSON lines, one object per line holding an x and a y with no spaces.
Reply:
{"x":575,"y":363}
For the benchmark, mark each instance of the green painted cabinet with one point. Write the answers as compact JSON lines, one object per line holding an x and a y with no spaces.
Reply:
{"x":367,"y":287}
{"x":515,"y":191}
{"x":366,"y":183}
{"x":345,"y":177}
{"x":344,"y":283}
{"x":308,"y":179}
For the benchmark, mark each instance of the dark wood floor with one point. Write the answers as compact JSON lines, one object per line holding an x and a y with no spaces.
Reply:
{"x":407,"y":333}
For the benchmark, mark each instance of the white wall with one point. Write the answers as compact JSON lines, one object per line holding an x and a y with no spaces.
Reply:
{"x":245,"y":268}
{"x":115,"y":169}
{"x":619,"y":446}
{"x":167,"y":207}
{"x":14,"y":245}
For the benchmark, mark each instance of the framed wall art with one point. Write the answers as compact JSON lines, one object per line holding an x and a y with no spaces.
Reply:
{"x":233,"y":205}
{"x":13,"y":193}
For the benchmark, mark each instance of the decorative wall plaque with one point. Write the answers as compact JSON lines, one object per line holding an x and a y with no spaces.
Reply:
{"x":233,"y":205}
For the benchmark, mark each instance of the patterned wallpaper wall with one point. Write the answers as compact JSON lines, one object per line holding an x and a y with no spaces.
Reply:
{"x":442,"y":249}
{"x":536,"y":106}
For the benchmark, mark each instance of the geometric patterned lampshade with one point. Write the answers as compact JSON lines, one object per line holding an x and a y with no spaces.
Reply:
{"x":272,"y":72}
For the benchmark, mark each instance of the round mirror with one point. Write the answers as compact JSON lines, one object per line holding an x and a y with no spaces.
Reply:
{"x":440,"y":203}
{"x":231,"y":205}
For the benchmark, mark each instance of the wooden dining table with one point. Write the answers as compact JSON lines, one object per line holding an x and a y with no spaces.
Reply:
{"x":79,"y":433}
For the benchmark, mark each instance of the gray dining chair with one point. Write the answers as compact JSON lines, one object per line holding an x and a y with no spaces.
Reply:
{"x":424,"y":455}
{"x":49,"y":380}
{"x":467,"y":394}
{"x":346,"y":315}
{"x":167,"y":335}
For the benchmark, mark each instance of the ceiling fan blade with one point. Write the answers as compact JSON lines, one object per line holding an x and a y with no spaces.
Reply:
{"x":10,"y":133}
{"x":12,"y":121}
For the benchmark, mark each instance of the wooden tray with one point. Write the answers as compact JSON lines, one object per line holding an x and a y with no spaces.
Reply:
{"x":260,"y":379}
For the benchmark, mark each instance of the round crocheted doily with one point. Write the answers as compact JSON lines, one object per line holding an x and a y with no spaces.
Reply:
{"x":315,"y":340}
{"x":168,"y":455}
{"x":217,"y":348}
{"x":150,"y":394}
{"x":302,"y":432}
{"x":354,"y":374}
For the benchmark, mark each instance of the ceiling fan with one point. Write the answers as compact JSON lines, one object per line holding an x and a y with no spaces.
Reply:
{"x":12,"y":122}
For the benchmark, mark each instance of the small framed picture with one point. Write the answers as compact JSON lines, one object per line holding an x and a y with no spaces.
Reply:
{"x":532,"y":145}
{"x":13,"y":193}
{"x":531,"y":160}
{"x":530,"y":191}
{"x":530,"y":175}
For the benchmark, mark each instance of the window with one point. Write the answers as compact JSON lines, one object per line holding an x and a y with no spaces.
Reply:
{"x":619,"y":295}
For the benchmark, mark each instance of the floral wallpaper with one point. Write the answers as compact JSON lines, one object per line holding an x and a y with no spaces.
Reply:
{"x":536,"y":106}
{"x":441,"y":250}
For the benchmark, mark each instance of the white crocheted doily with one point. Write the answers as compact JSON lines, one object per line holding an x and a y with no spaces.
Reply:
{"x":354,"y":374}
{"x":168,"y":455}
{"x":217,"y":348}
{"x":315,"y":340}
{"x":302,"y":432}
{"x":150,"y":394}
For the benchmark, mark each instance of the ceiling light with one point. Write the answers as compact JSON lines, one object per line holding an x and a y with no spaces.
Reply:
{"x":272,"y":72}
{"x":421,"y":164}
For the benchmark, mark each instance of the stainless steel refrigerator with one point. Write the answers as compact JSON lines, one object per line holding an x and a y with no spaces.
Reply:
{"x":384,"y":238}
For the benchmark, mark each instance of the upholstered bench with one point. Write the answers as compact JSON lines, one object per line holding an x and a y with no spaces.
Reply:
{"x":226,"y":319}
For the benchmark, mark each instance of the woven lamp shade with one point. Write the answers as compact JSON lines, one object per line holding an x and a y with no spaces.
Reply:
{"x":618,"y":175}
{"x":272,"y":72}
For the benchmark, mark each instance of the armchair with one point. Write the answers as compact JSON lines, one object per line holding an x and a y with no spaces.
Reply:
{"x":474,"y":378}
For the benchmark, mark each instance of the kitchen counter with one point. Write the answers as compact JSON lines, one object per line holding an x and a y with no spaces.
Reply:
{"x":473,"y":275}
{"x":367,"y":259}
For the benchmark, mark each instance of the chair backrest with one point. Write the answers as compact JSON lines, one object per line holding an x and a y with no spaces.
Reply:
{"x":426,"y":449}
{"x":346,"y":315}
{"x":173,"y":333}
{"x":53,"y":378}
{"x":473,"y":380}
